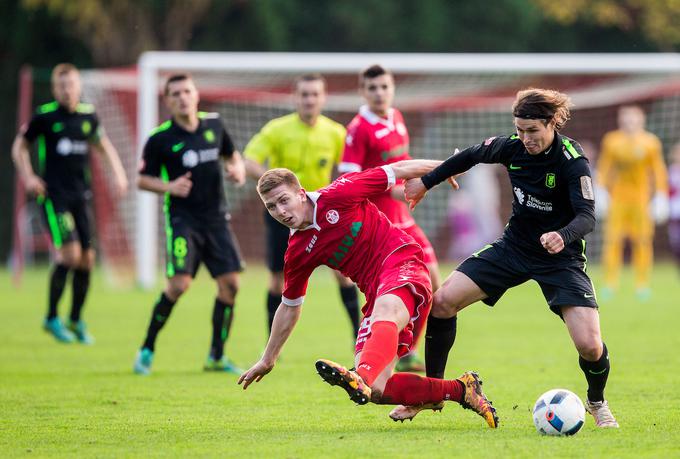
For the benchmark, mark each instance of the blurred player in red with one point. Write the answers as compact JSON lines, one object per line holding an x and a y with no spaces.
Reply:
{"x":377,"y":136}
{"x":339,"y":227}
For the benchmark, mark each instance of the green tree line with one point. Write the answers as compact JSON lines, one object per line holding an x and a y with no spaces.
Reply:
{"x":106,"y":33}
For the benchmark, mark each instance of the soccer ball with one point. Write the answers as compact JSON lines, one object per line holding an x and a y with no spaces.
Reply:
{"x":559,"y":412}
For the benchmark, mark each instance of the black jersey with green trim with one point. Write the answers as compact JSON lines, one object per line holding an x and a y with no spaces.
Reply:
{"x":172,"y":151}
{"x":552,"y":191}
{"x":64,"y":140}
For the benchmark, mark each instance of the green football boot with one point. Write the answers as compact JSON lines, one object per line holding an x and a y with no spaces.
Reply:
{"x":79,"y":329}
{"x":143,"y":362}
{"x":56,"y":328}
{"x":223,"y":364}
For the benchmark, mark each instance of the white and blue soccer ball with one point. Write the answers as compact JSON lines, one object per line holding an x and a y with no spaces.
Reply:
{"x":559,"y":412}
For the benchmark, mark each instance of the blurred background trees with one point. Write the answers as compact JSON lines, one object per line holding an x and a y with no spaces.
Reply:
{"x":103,"y":33}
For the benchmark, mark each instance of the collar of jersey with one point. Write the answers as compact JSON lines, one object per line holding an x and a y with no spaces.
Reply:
{"x":372,"y":118}
{"x":313,"y":196}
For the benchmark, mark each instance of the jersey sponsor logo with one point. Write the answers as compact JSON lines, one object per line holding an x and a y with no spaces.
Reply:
{"x":345,"y":244}
{"x":397,"y":151}
{"x":531,"y":201}
{"x":332,"y":216}
{"x":550,"y":180}
{"x":66,"y":147}
{"x":538,"y":204}
{"x":310,"y":246}
{"x":488,"y":141}
{"x":588,"y":295}
{"x":209,"y":135}
{"x":192,"y":158}
{"x":515,"y":168}
{"x":587,"y":188}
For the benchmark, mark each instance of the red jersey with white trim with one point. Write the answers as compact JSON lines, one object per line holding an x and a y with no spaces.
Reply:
{"x":374,"y":141}
{"x":348,"y":234}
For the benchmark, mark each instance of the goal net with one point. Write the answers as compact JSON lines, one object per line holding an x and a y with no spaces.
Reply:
{"x":448,"y":101}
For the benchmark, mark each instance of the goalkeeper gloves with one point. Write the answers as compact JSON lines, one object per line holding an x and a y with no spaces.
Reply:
{"x":660,"y":208}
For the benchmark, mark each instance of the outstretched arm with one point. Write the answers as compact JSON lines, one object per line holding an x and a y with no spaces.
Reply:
{"x":284,"y":322}
{"x":413,"y":168}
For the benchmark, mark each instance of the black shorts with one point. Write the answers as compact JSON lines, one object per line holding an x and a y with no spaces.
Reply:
{"x":68,"y":220}
{"x":277,"y":243}
{"x":500,"y":266}
{"x":189,"y":243}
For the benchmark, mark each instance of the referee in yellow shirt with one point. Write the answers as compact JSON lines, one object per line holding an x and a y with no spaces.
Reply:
{"x":629,"y":158}
{"x":310,"y":145}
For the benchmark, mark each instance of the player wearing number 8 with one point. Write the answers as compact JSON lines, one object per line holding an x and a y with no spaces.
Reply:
{"x":182,"y":161}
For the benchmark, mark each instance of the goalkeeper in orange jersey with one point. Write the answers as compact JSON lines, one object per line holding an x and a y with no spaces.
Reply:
{"x":629,"y":157}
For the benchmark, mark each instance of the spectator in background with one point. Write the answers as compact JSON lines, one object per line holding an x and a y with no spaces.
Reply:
{"x":674,"y":214}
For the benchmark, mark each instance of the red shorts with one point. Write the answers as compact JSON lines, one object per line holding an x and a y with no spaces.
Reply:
{"x":416,"y":233}
{"x":405,"y":275}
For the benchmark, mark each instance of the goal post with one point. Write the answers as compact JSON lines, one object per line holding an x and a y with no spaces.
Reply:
{"x":450,"y":100}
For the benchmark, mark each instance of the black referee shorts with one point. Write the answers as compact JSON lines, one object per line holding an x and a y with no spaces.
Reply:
{"x":189,"y":243}
{"x":68,"y":220}
{"x":500,"y":266}
{"x":277,"y":243}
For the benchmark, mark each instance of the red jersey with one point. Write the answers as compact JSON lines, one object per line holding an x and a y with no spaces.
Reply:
{"x":348,"y":234}
{"x":374,"y":141}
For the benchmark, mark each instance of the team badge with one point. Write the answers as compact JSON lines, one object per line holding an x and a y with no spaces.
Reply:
{"x":332,"y":216}
{"x":550,"y":180}
{"x":209,"y":136}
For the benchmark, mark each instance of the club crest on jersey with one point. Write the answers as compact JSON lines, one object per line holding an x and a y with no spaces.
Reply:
{"x":401,"y":129}
{"x":209,"y":136}
{"x":550,"y":180}
{"x":332,"y":216}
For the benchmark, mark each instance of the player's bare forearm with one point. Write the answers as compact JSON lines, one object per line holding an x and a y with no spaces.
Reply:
{"x":284,"y":322}
{"x":105,"y":148}
{"x":254,"y":169}
{"x":153,"y":184}
{"x":413,"y":168}
{"x":22,"y":157}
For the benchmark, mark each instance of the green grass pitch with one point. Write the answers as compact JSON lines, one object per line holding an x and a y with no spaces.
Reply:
{"x":76,"y":401}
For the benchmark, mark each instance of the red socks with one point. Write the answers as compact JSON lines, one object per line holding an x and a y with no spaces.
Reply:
{"x":409,"y":389}
{"x":379,"y":350}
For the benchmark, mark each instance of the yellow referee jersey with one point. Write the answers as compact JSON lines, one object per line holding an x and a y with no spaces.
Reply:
{"x":627,"y":164}
{"x":309,"y":151}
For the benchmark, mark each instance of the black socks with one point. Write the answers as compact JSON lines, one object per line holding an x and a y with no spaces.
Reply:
{"x":223,"y":314}
{"x":159,"y":316}
{"x":350,"y":298}
{"x":439,"y":338}
{"x":81,"y":284}
{"x":596,"y":375}
{"x":57,"y":283}
{"x":273,"y":302}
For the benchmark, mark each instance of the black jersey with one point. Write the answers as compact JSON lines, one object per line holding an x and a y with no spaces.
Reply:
{"x":63,"y":147}
{"x":552,"y":190}
{"x":171,"y":152}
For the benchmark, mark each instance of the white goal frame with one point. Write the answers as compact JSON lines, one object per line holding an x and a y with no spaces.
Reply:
{"x":150,"y":63}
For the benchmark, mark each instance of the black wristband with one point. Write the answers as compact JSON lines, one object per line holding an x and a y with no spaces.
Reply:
{"x":427,"y":181}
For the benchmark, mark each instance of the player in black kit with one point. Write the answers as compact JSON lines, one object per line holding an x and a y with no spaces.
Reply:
{"x":553,"y":209}
{"x":65,"y":131}
{"x":181,"y":160}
